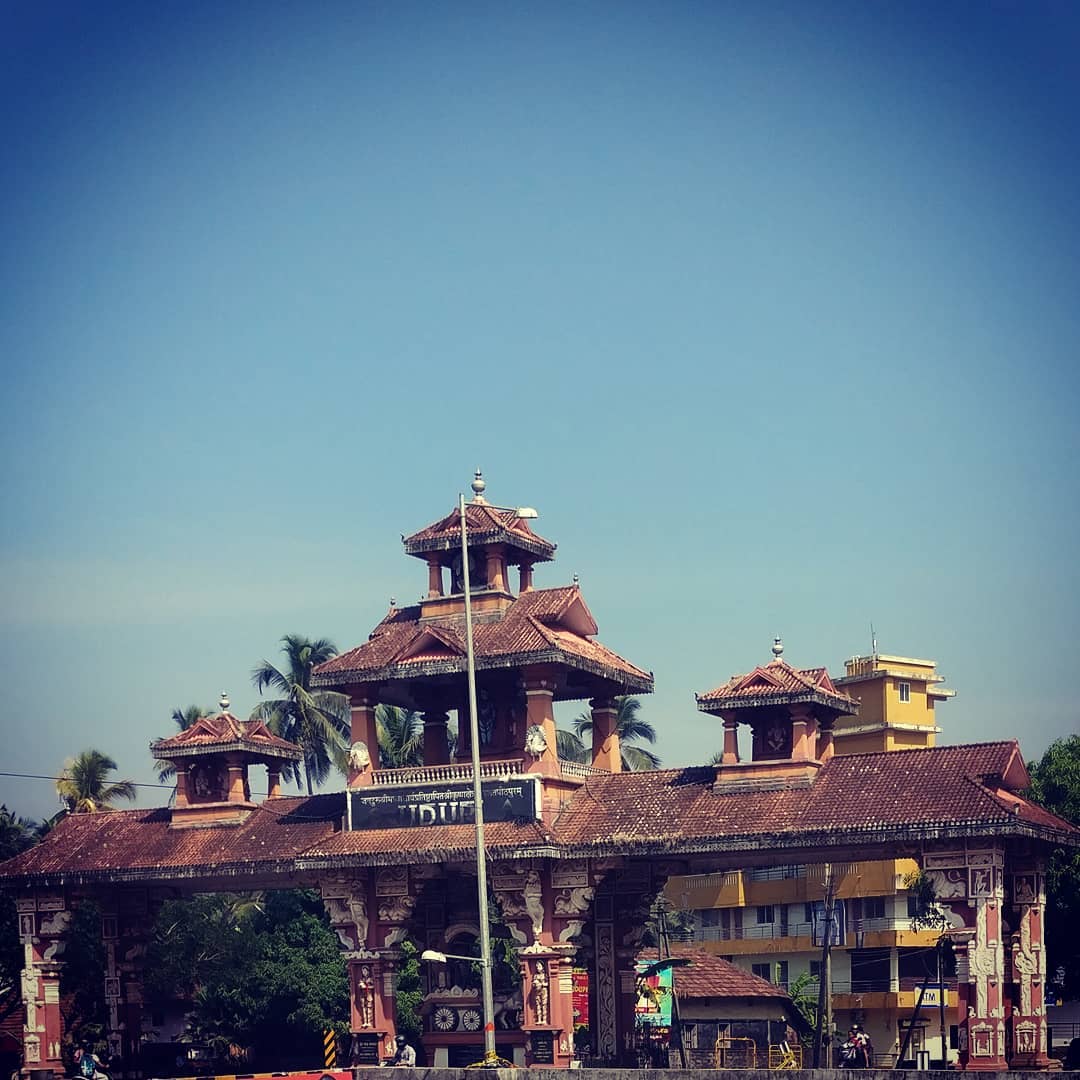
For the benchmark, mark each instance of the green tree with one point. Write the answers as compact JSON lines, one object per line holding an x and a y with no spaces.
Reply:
{"x":85,"y":787}
{"x":401,"y":737}
{"x":183,"y":719}
{"x":316,"y":720}
{"x":267,"y":975}
{"x":804,"y":992}
{"x":1055,"y":785}
{"x":629,"y":726}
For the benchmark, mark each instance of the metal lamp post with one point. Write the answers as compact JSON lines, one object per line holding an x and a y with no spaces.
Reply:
{"x":488,"y":997}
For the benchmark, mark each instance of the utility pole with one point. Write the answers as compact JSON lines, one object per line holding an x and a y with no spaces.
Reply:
{"x":824,"y":1016}
{"x":941,"y":1004}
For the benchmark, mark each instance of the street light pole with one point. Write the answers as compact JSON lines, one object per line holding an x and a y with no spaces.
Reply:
{"x":481,"y":858}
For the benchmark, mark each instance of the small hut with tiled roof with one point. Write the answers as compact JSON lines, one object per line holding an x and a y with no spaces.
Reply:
{"x":790,"y":714}
{"x":211,"y":759}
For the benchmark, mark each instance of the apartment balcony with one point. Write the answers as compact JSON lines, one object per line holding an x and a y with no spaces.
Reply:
{"x":888,"y":994}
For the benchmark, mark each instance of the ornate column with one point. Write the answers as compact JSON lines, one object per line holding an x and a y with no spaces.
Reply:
{"x":606,"y":751}
{"x":969,"y":882}
{"x":803,"y":730}
{"x":364,"y":752}
{"x":525,"y":577}
{"x":1028,"y":894}
{"x":372,"y":970}
{"x":731,"y":738}
{"x":43,"y":921}
{"x":826,"y":749}
{"x":434,"y":578}
{"x":540,"y":721}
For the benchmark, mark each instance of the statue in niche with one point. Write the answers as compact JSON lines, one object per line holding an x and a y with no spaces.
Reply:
{"x":541,"y":1000}
{"x":486,"y":714}
{"x":205,"y":782}
{"x":365,"y":996}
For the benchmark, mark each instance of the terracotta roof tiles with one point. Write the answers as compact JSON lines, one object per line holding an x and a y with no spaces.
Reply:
{"x":225,"y":731}
{"x":775,"y":682}
{"x":485,"y":524}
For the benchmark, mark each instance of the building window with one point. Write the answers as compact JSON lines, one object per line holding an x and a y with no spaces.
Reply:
{"x":912,"y":905}
{"x":874,"y":907}
{"x":905,"y":693}
{"x":766,"y":915}
{"x":815,"y":969}
{"x":776,"y":973}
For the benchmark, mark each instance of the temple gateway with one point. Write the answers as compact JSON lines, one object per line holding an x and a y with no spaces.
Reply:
{"x":576,"y":852}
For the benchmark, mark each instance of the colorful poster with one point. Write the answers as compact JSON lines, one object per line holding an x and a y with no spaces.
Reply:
{"x":581,"y":997}
{"x":654,"y":997}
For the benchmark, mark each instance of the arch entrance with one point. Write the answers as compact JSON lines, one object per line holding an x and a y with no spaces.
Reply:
{"x":576,"y":850}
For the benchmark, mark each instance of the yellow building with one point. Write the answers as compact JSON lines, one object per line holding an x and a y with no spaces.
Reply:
{"x":769,"y":920}
{"x":896,"y":696}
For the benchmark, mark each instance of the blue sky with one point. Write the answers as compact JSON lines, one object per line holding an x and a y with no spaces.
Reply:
{"x":769,"y":308}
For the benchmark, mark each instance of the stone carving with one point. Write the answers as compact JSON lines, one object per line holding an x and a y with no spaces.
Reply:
{"x":540,"y":989}
{"x":56,"y":924}
{"x":507,"y":1011}
{"x":396,"y":908}
{"x":982,"y":883}
{"x":359,"y":915}
{"x":365,"y":996}
{"x":54,"y":949}
{"x":29,"y":996}
{"x":535,"y":741}
{"x":572,"y":930}
{"x":534,"y":902}
{"x":606,"y":1042}
{"x":1024,"y":891}
{"x":359,"y":756}
{"x":574,"y":901}
{"x":570,"y":874}
{"x":948,"y":884}
{"x":392,"y":881}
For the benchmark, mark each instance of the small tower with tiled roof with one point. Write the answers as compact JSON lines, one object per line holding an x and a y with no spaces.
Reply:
{"x":211,"y":759}
{"x":790,"y":713}
{"x":531,"y":649}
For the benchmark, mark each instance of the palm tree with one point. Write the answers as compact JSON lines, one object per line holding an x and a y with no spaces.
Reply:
{"x":16,"y":833}
{"x":629,"y":726}
{"x":85,"y":788}
{"x":401,"y":737}
{"x":183,"y":719}
{"x":317,"y":721}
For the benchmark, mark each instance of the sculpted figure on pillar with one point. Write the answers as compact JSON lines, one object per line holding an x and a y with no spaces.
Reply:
{"x":541,"y":999}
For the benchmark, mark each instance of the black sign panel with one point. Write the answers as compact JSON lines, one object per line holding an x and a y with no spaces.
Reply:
{"x":365,"y":1049}
{"x":515,"y":799}
{"x":543,"y":1047}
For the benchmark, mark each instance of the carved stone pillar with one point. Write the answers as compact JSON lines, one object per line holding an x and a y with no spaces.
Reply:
{"x":606,"y":751}
{"x":43,"y":921}
{"x":539,"y":693}
{"x":970,"y":882}
{"x":364,"y":753}
{"x":1028,"y":896}
{"x":826,"y":748}
{"x":731,"y":739}
{"x":434,"y":578}
{"x":803,"y":732}
{"x":547,"y":994}
{"x":436,"y":746}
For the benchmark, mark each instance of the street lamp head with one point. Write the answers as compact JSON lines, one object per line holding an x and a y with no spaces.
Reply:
{"x":526,"y":513}
{"x":433,"y":957}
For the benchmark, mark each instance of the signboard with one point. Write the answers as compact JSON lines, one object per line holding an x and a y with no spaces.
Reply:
{"x":932,"y":995}
{"x":580,"y":998}
{"x":543,"y":1047}
{"x":654,"y":997}
{"x":514,"y":799}
{"x":839,"y":923}
{"x":365,"y":1050}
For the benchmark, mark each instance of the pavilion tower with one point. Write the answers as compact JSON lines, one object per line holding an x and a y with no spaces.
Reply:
{"x":212,"y":758}
{"x":532,"y":647}
{"x":790,"y":713}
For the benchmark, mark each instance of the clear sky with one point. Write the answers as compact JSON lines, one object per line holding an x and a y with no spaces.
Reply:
{"x":771,"y":309}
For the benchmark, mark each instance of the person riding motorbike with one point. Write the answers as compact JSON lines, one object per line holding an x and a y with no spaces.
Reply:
{"x":88,"y":1065}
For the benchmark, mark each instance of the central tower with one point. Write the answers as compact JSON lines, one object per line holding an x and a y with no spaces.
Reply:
{"x":531,"y":648}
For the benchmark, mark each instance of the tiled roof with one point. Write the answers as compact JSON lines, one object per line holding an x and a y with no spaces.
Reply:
{"x":542,"y":625}
{"x":486,"y":524}
{"x":777,"y":682}
{"x":898,"y":793}
{"x":225,"y":732}
{"x":902,"y":795}
{"x":709,"y":976}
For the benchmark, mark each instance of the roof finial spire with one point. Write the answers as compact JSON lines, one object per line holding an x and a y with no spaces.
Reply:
{"x":777,"y":648}
{"x":478,"y":487}
{"x":223,"y":702}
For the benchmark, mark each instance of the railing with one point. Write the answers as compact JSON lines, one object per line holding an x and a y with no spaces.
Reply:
{"x":766,"y":931}
{"x":712,"y":881}
{"x":442,"y":774}
{"x":579,"y":768}
{"x":777,"y":873}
